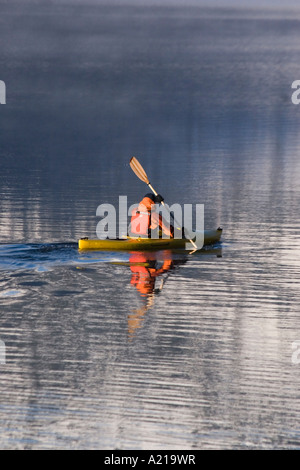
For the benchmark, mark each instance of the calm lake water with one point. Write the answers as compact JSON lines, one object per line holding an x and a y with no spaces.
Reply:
{"x":204,"y":355}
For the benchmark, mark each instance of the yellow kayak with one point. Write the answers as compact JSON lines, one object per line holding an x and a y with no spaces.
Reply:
{"x":142,"y":244}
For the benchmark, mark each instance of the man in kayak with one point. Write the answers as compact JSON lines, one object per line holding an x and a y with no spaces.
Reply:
{"x":144,"y":219}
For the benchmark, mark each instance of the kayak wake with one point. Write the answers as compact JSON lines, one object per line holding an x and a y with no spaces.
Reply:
{"x":46,"y":256}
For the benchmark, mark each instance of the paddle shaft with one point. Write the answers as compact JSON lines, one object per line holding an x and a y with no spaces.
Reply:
{"x":175,"y":222}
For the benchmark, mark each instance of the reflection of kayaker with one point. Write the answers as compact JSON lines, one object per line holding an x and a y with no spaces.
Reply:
{"x":144,"y":220}
{"x":146,"y":268}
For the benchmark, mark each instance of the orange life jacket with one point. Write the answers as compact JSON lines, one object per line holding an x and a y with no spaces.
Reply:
{"x":141,"y":218}
{"x":141,"y":223}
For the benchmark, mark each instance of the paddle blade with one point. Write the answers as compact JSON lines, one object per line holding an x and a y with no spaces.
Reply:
{"x":138,"y":170}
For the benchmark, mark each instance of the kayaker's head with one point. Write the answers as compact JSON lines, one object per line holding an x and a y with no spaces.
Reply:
{"x":150,"y":199}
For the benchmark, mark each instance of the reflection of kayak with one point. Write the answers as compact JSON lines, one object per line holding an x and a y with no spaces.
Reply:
{"x":141,"y":244}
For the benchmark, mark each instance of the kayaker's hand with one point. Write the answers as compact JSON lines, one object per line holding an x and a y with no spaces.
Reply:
{"x":158,"y":199}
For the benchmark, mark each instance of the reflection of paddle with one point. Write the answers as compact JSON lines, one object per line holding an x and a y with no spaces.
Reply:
{"x":141,"y":174}
{"x":157,"y":290}
{"x":136,"y":318}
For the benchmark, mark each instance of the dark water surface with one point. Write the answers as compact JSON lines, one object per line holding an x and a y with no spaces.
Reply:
{"x":199,"y":354}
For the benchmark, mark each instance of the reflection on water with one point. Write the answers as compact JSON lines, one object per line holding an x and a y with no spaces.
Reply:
{"x":150,"y":271}
{"x":146,"y":268}
{"x":118,"y":350}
